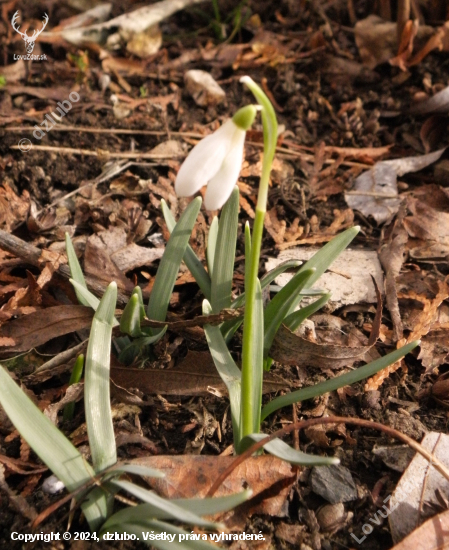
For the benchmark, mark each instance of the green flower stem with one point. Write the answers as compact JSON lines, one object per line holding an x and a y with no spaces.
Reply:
{"x":251,"y":340}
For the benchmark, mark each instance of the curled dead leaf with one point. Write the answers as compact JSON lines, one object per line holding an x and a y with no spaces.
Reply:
{"x":292,"y":349}
{"x":41,"y":326}
{"x":189,"y":476}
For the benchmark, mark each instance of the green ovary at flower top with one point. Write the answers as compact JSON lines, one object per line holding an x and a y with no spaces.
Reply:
{"x":216,"y":161}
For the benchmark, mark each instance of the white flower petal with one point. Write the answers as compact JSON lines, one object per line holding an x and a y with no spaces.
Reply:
{"x":221,"y":185}
{"x":204,"y":160}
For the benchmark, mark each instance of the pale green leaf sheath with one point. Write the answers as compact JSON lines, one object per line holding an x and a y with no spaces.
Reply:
{"x":96,"y":390}
{"x":50,"y":445}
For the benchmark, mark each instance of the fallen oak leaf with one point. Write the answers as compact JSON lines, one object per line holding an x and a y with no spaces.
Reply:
{"x":190,"y":476}
{"x":38,"y":328}
{"x":193,"y":376}
{"x":292,"y":349}
{"x":423,"y":325}
{"x":375,"y":192}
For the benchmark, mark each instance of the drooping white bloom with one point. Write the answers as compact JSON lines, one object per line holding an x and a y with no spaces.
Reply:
{"x":216,"y":161}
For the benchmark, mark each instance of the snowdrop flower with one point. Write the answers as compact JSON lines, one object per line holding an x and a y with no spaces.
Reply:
{"x":216,"y":161}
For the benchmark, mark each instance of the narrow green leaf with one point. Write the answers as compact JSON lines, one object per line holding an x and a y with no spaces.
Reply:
{"x":51,"y":446}
{"x":190,"y":258}
{"x":294,"y":320}
{"x":229,"y":328}
{"x":211,"y":506}
{"x":339,"y":381}
{"x":281,"y":450}
{"x":248,"y":252}
{"x":130,"y":351}
{"x":75,"y":269}
{"x":281,"y":304}
{"x":90,"y":299}
{"x":163,"y":508}
{"x":258,"y":321}
{"x":224,"y":257}
{"x":267,"y":279}
{"x":138,"y":292}
{"x":96,"y":384}
{"x":212,"y":244}
{"x":131,"y":316}
{"x":75,"y":377}
{"x":226,"y":367}
{"x":323,"y":259}
{"x":135,"y":469}
{"x":169,"y":265}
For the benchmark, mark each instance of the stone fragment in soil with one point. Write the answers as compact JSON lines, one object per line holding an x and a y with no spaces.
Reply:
{"x":396,"y":457}
{"x":333,"y":483}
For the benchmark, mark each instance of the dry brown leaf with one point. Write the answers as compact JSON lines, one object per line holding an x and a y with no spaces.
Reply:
{"x":429,"y":222}
{"x":97,"y":257}
{"x":13,"y":209}
{"x":423,"y":326}
{"x":73,"y":393}
{"x":433,"y":534}
{"x":405,"y":49}
{"x":191,"y":476}
{"x":292,"y":349}
{"x":37,"y":328}
{"x":133,"y":255}
{"x":377,"y":41}
{"x":439,"y":41}
{"x":391,"y":256}
{"x":274,"y":226}
{"x":18,"y":501}
{"x":48,"y":219}
{"x":433,"y":131}
{"x":193,"y":376}
{"x":435,"y":350}
{"x":375,"y":192}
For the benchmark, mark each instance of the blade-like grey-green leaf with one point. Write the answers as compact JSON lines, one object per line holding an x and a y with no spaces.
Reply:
{"x":130,"y":319}
{"x":170,"y":262}
{"x":228,"y":328}
{"x":280,"y":449}
{"x":339,"y":381}
{"x":135,"y":469}
{"x":224,"y":257}
{"x":50,"y":445}
{"x":258,"y":321}
{"x":90,"y":299}
{"x":100,"y":429}
{"x":211,"y":506}
{"x":323,"y":259}
{"x":75,"y":269}
{"x":190,"y":258}
{"x":267,"y":279}
{"x":281,"y":304}
{"x":294,"y":320}
{"x":163,"y":508}
{"x":226,"y":367}
{"x":211,"y":244}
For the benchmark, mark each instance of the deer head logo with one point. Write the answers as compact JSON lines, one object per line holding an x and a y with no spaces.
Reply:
{"x":29,"y":40}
